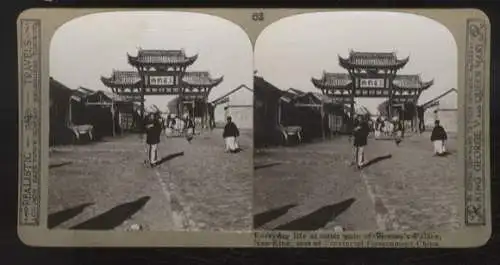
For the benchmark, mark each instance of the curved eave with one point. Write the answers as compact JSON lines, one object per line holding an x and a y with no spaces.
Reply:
{"x":110,"y":83}
{"x":211,"y":84}
{"x":107,"y":81}
{"x":344,"y":62}
{"x":318,"y":83}
{"x":347,"y":64}
{"x":191,"y":60}
{"x":132,"y":60}
{"x":401,"y":63}
{"x":428,"y":84}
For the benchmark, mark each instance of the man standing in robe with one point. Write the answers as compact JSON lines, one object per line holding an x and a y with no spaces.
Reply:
{"x":438,"y":138}
{"x":153,"y":133}
{"x":230,"y":135}
{"x":360,"y":134}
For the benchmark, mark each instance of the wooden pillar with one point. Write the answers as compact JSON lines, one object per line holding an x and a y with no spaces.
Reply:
{"x":323,"y":121}
{"x":206,"y":122}
{"x":143,"y":87}
{"x":353,"y":95}
{"x":113,"y":126}
{"x":389,"y":111}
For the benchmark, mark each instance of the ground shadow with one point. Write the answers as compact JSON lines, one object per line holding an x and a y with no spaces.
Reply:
{"x":169,"y":157}
{"x":319,"y":218}
{"x":265,"y":217}
{"x":60,"y":217}
{"x":445,"y":154}
{"x":113,"y":217}
{"x":267,"y":165}
{"x":376,"y":160}
{"x":237,"y":150}
{"x":60,"y":164}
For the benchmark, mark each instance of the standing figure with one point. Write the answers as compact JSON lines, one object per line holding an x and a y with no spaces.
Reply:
{"x":153,"y":133}
{"x":189,"y":128}
{"x":438,"y":138}
{"x":398,"y":130}
{"x":360,"y":134}
{"x":378,"y":127}
{"x":230,"y":135}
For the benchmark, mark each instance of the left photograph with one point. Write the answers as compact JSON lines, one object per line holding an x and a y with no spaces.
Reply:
{"x":151,"y":123}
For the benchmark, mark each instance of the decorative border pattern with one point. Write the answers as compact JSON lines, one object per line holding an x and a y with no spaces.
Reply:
{"x":30,"y":103}
{"x":474,"y":122}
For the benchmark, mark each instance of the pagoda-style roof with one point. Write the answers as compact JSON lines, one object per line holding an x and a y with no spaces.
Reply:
{"x":161,"y":58}
{"x":122,"y":78}
{"x":201,"y":79}
{"x":133,"y":79}
{"x":332,"y":80}
{"x":342,"y":80}
{"x":379,"y":60}
{"x":411,"y":82}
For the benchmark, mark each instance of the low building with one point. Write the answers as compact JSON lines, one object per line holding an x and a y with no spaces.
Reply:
{"x":443,"y":108}
{"x":237,"y":103}
{"x":59,"y":131}
{"x":266,"y":108}
{"x":112,"y":114}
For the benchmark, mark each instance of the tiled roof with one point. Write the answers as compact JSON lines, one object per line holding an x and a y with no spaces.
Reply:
{"x":411,"y":81}
{"x":429,"y":103}
{"x":341,"y":80}
{"x":372,"y":59}
{"x":122,"y":78}
{"x":200,"y":79}
{"x":221,"y":98}
{"x":296,"y":91}
{"x":132,"y":78}
{"x":81,"y":92}
{"x":332,"y":80}
{"x":260,"y":85}
{"x":168,"y":57}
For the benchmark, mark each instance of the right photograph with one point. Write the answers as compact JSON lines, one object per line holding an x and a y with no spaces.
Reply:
{"x":356,"y":123}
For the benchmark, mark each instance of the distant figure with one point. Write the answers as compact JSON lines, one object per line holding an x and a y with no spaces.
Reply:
{"x":189,"y":128}
{"x":398,"y":130}
{"x":360,"y":134}
{"x":153,"y":133}
{"x":420,"y":116}
{"x":438,"y":138}
{"x":378,"y":127}
{"x":230,"y":135}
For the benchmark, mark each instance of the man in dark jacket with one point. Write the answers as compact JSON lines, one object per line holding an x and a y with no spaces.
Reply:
{"x":153,"y":133}
{"x":189,"y":128}
{"x":360,"y":134}
{"x":438,"y":138}
{"x":230,"y":135}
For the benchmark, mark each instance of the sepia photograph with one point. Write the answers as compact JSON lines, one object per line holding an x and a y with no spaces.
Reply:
{"x":151,"y":120}
{"x":356,"y":122}
{"x":263,"y":128}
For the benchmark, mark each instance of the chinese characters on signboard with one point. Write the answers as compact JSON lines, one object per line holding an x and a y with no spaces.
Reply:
{"x":371,"y":83}
{"x":161,"y":80}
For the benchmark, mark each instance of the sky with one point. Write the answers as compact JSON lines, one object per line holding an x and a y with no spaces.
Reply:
{"x":292,"y":50}
{"x":86,"y":48}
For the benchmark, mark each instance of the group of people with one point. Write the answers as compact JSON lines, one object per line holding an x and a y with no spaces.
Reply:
{"x":361,"y":131}
{"x":154,"y":126}
{"x":394,"y":128}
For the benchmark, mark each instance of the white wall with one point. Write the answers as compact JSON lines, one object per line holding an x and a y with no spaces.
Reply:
{"x":239,"y":107}
{"x":447,"y":113}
